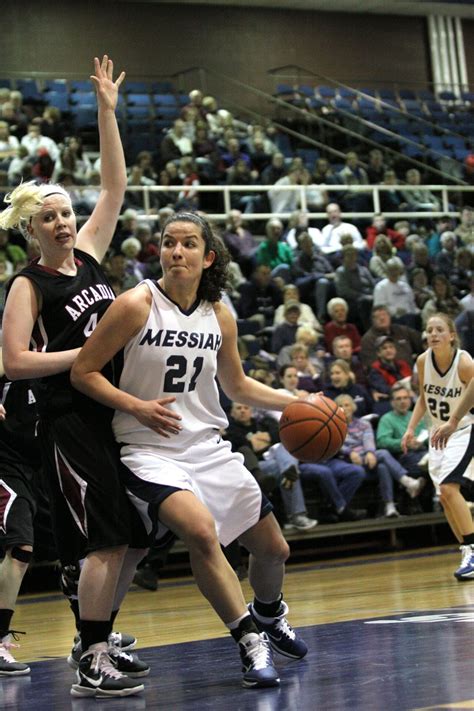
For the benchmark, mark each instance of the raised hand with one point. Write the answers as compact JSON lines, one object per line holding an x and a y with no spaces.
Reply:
{"x":107,"y":89}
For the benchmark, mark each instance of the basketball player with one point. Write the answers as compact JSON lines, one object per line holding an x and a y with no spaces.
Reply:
{"x":52,"y":307}
{"x":444,"y":373}
{"x":441,"y":434}
{"x":177,"y":338}
{"x":19,"y":464}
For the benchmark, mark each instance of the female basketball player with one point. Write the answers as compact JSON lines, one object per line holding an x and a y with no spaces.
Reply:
{"x":177,"y":338}
{"x":441,"y":434}
{"x":444,"y":373}
{"x":52,"y":307}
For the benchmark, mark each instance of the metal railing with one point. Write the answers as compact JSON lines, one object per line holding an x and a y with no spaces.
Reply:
{"x":148,"y":212}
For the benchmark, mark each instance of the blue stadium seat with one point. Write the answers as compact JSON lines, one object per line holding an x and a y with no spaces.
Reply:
{"x":84,"y":116}
{"x":407,"y":94}
{"x":447,"y":96}
{"x":347,"y":93}
{"x":306,"y":90}
{"x":28,"y":88}
{"x":137,"y":87}
{"x":5,"y":84}
{"x":387,"y":94}
{"x":80,"y":85}
{"x":138,"y":112}
{"x":309,"y":156}
{"x":58,"y":99}
{"x":326,"y":92}
{"x":138,"y":99}
{"x":58,"y":85}
{"x":166,"y":99}
{"x":344,"y":104}
{"x":284,"y":89}
{"x":426,"y":95}
{"x":169,"y":112}
{"x":83,"y":97}
{"x":161,"y":87}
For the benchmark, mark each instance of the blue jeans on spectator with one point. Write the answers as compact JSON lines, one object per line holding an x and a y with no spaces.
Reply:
{"x":387,"y":470}
{"x":278,"y":460}
{"x":339,"y":480}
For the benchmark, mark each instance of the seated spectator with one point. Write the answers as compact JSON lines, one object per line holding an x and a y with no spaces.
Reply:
{"x":355,"y":284}
{"x":306,"y":316}
{"x":204,"y":147}
{"x":433,"y":241}
{"x":338,"y":311}
{"x":188,"y":199}
{"x":73,"y":160}
{"x":467,"y":302}
{"x":231,"y":154}
{"x":407,"y":340}
{"x":444,"y":260}
{"x":241,"y":174}
{"x":176,"y":143}
{"x":332,"y":232}
{"x":376,"y":168}
{"x":260,"y":296}
{"x":310,"y":339}
{"x":353,"y":174}
{"x":284,"y":334}
{"x":52,"y":124}
{"x":314,"y":275}
{"x":465,"y":230}
{"x":317,"y":197}
{"x":392,"y":199}
{"x":134,"y":269}
{"x":338,"y":481}
{"x":274,"y":253}
{"x":284,"y":200}
{"x":465,"y":328}
{"x":421,"y":288}
{"x":460,"y":277}
{"x":397,"y":295}
{"x":34,"y":141}
{"x":260,"y":157}
{"x":8,"y":145}
{"x":342,"y":349}
{"x":420,"y":199}
{"x":299,"y":224}
{"x":308,"y":373}
{"x":359,"y":448}
{"x":420,"y":257}
{"x":392,"y":426}
{"x":383,"y":252}
{"x":239,"y":241}
{"x":254,"y":438}
{"x":125,"y":228}
{"x":273,"y":172}
{"x":386,"y":371}
{"x":443,"y":300}
{"x":379,"y":227}
{"x":342,"y":382}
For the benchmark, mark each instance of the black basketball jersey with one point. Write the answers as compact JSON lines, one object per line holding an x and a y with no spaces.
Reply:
{"x":71,"y":308}
{"x":18,"y":441}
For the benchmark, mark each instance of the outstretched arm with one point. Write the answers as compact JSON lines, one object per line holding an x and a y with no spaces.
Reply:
{"x":96,"y":234}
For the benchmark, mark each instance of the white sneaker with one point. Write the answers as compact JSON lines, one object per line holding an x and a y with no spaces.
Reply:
{"x":391,"y":511}
{"x":300,"y":522}
{"x":414,"y":486}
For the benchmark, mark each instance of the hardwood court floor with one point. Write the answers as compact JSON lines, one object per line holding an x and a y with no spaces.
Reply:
{"x":389,"y":632}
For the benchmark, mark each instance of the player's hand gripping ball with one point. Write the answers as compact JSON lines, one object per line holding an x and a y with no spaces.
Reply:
{"x":313,"y":430}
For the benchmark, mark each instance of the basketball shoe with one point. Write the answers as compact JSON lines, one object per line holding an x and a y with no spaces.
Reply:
{"x":257,"y":661}
{"x":300,"y":522}
{"x":98,"y":676}
{"x":8,"y":664}
{"x":466,"y":569}
{"x":281,"y":635}
{"x":125,"y":662}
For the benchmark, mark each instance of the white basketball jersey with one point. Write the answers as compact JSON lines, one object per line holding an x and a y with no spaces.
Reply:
{"x":443,"y":390}
{"x":175,"y":354}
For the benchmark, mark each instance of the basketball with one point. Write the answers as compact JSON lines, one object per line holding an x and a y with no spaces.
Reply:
{"x":313,"y":431}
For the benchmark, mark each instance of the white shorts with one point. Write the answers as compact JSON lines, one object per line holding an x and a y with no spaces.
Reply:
{"x":209,"y":469}
{"x":455,"y":462}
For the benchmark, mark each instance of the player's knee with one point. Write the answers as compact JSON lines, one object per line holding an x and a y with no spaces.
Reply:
{"x":200,"y":536}
{"x":447,"y":492}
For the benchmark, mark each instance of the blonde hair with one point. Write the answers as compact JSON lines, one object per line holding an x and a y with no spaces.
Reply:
{"x":25,"y":201}
{"x":344,"y":367}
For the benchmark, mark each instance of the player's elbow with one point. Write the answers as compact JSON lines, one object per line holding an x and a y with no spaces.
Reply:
{"x":77,"y":376}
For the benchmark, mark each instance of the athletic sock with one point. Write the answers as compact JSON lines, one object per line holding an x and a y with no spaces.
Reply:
{"x":74,"y":605}
{"x":468,"y":540}
{"x":93,"y":632}
{"x":5,"y":619}
{"x":245,"y":626}
{"x":268,"y":609}
{"x":112,"y":617}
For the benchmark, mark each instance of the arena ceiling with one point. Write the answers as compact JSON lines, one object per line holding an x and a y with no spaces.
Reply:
{"x":460,"y":8}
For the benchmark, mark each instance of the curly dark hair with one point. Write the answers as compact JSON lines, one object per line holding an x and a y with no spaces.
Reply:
{"x":214,"y":280}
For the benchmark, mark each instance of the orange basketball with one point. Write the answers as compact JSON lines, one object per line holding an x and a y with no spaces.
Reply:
{"x":313,"y":431}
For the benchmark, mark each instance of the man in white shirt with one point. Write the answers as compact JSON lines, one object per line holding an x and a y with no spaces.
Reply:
{"x":397,"y":296}
{"x":282,"y":200}
{"x":34,"y":140}
{"x":331,"y":233}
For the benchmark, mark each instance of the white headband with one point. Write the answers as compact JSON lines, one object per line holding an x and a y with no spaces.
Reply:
{"x":53,"y":189}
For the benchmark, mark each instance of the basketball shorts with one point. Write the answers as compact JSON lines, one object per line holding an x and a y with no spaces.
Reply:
{"x":209,"y":469}
{"x":17,"y":504}
{"x":89,"y":506}
{"x":454,"y":463}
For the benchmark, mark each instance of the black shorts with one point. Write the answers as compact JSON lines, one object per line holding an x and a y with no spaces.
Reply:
{"x":89,"y":507}
{"x":17,"y":504}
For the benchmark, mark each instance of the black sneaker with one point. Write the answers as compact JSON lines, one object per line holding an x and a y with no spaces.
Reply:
{"x":348,"y":514}
{"x":146,"y":578}
{"x":257,"y":661}
{"x":281,"y":635}
{"x":128,"y":663}
{"x":98,"y":676}
{"x":124,"y":641}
